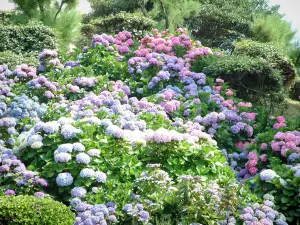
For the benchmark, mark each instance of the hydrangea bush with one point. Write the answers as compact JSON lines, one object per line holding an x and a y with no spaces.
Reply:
{"x":124,"y":132}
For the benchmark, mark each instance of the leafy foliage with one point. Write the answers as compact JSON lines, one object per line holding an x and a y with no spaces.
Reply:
{"x":33,"y":210}
{"x":270,"y":53}
{"x":218,"y":26}
{"x":272,"y":28}
{"x":120,"y":22}
{"x":31,"y":38}
{"x":12,"y":59}
{"x":251,"y":77}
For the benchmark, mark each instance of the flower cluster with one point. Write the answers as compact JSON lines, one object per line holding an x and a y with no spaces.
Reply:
{"x":263,"y":213}
{"x":48,"y":58}
{"x":101,"y":214}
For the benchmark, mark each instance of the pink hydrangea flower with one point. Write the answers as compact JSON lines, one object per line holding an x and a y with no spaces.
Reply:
{"x":264,"y":146}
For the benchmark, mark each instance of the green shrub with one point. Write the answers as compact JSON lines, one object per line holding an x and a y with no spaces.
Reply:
{"x":219,"y":26}
{"x":270,"y":53}
{"x":251,"y":77}
{"x":31,"y":210}
{"x":295,"y":91}
{"x":112,"y":24}
{"x":29,"y":38}
{"x":12,"y":59}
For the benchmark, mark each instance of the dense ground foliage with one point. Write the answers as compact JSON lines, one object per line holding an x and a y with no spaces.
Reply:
{"x":125,"y":132}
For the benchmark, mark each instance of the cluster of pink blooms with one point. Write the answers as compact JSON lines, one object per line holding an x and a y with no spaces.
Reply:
{"x":217,"y":88}
{"x":24,"y":72}
{"x":123,"y":40}
{"x":280,"y":122}
{"x":284,"y":142}
{"x":252,"y":163}
{"x":43,"y":82}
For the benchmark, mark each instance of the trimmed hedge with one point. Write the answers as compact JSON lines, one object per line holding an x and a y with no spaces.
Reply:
{"x":30,"y":210}
{"x":122,"y":21}
{"x":29,"y":38}
{"x":12,"y":59}
{"x":270,"y":53}
{"x":251,"y":77}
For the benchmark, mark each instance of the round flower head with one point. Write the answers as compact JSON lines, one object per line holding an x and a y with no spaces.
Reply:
{"x":78,"y":192}
{"x":78,"y":147}
{"x":83,"y":158}
{"x":39,"y":194}
{"x":64,"y":179}
{"x":100,"y":177}
{"x":267,"y":175}
{"x":93,"y":152}
{"x":62,"y":157}
{"x":87,"y":173}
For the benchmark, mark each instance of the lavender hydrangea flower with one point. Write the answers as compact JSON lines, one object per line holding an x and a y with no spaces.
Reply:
{"x":64,"y":179}
{"x":39,"y":194}
{"x":10,"y":192}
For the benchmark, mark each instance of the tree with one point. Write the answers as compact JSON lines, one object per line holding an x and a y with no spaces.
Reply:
{"x":173,"y":12}
{"x":272,"y":28}
{"x":37,"y":8}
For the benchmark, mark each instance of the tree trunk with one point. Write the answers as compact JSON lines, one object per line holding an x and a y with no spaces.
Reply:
{"x":59,"y":10}
{"x":165,"y":14}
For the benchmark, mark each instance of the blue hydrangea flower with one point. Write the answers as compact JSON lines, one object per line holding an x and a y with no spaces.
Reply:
{"x":62,"y":157}
{"x":78,"y":192}
{"x":83,"y":158}
{"x":75,"y":201}
{"x":64,"y":179}
{"x":78,"y":147}
{"x":69,"y":132}
{"x":36,"y":145}
{"x":93,"y":152}
{"x":51,"y":127}
{"x":34,"y":138}
{"x":87,"y":173}
{"x":267,"y":175}
{"x":100,"y":177}
{"x":65,"y":148}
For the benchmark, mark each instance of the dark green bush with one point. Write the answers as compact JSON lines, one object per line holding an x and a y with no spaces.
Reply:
{"x":219,"y":26}
{"x":29,"y":38}
{"x":270,"y":53}
{"x":295,"y":91}
{"x":113,"y":24}
{"x":30,"y":210}
{"x":12,"y":59}
{"x":251,"y":77}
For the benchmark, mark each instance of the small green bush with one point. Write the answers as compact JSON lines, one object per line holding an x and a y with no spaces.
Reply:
{"x":29,"y":38}
{"x":112,"y":24}
{"x":270,"y":53}
{"x":12,"y":59}
{"x":30,"y":210}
